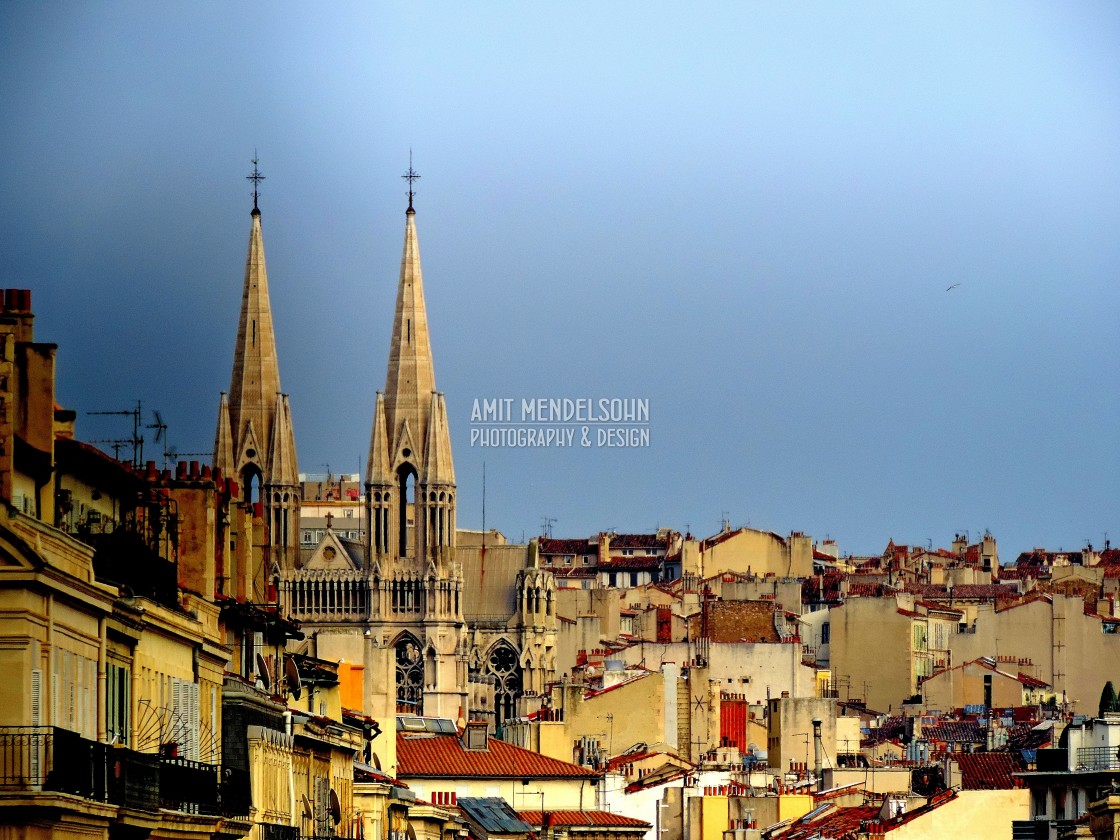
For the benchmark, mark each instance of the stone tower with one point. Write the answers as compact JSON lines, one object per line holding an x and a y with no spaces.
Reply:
{"x":254,"y":441}
{"x":416,"y":582}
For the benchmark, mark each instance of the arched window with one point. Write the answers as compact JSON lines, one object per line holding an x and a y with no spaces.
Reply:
{"x":410,"y":674}
{"x":406,"y":477}
{"x":504,"y":666}
{"x":251,"y":483}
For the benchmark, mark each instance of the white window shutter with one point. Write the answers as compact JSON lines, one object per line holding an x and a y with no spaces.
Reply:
{"x":36,"y":697}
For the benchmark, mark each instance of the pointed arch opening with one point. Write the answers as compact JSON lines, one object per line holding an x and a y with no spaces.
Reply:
{"x":504,"y":665}
{"x":251,"y":483}
{"x":410,"y":675}
{"x":406,"y":488}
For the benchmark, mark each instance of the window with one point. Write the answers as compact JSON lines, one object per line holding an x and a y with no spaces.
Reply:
{"x":117,"y":702}
{"x":410,"y":674}
{"x":185,"y":717}
{"x":826,"y":633}
{"x":586,"y":560}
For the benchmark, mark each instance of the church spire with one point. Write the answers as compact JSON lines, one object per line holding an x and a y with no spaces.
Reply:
{"x":411,"y":377}
{"x":255,"y":382}
{"x":261,"y":452}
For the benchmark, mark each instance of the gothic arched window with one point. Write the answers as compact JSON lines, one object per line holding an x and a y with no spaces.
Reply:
{"x":410,"y":674}
{"x":504,"y":666}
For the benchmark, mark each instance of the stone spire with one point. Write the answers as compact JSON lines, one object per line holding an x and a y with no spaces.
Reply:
{"x":377,"y":465}
{"x":256,"y":372}
{"x":282,"y":467}
{"x":439,"y":468}
{"x":223,"y":439}
{"x":261,"y":452}
{"x":411,"y":377}
{"x":416,"y":609}
{"x":410,"y":480}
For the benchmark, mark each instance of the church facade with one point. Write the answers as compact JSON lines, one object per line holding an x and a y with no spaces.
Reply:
{"x":426,"y":619}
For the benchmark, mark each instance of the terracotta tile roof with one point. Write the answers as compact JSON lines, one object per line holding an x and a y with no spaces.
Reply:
{"x":926,"y":590}
{"x":1025,"y":736}
{"x":846,"y":823}
{"x":572,"y":571}
{"x":960,"y":732}
{"x":840,"y":823}
{"x":581,"y":547}
{"x":989,"y":770}
{"x":985,"y":590}
{"x":824,"y":587}
{"x":588,"y":818}
{"x":866,"y":590}
{"x":627,"y":758}
{"x":423,"y":755}
{"x":636,"y":541}
{"x":650,"y":562}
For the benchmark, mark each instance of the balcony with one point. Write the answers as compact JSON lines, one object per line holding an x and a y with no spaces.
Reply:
{"x":35,"y":759}
{"x":45,"y":759}
{"x":189,"y":786}
{"x":1098,"y":758}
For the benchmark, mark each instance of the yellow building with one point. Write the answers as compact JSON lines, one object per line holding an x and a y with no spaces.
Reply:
{"x":110,"y":707}
{"x":982,"y":682}
{"x":747,"y":550}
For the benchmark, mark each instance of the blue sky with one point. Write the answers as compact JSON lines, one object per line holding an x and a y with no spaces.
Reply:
{"x":746,"y":213}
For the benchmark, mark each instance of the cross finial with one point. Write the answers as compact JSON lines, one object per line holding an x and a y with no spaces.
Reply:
{"x":411,"y":177}
{"x":256,"y":177}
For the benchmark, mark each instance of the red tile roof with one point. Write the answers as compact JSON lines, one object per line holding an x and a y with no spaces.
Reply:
{"x":959,"y":732}
{"x":636,"y":541}
{"x":584,"y":546}
{"x":989,"y":770}
{"x":985,"y":590}
{"x":423,"y":755}
{"x":588,"y":818}
{"x":643,"y":562}
{"x":841,"y":823}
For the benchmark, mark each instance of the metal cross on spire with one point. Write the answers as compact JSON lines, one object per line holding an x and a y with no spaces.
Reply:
{"x":256,"y":178}
{"x":411,"y":177}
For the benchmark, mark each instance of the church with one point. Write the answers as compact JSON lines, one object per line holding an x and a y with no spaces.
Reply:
{"x":423,"y":618}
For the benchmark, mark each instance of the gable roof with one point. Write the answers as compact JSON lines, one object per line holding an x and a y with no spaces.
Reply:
{"x":332,"y":553}
{"x":426,"y":755}
{"x":595,"y":819}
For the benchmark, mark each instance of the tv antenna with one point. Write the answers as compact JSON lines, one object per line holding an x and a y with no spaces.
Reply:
{"x":546,"y":525}
{"x":137,"y":439}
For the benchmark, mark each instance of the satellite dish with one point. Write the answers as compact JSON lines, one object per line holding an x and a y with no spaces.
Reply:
{"x":336,"y":808}
{"x":263,"y":672}
{"x":292,"y":673}
{"x":307,"y":812}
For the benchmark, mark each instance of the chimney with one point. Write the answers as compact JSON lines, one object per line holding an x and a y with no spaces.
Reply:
{"x":817,"y":749}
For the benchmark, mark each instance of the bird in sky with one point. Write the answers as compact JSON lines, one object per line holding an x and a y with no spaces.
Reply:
{"x":952,"y":287}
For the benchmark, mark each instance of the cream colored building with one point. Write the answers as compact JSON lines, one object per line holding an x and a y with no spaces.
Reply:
{"x":982,"y":682}
{"x":879,"y":649}
{"x":1068,"y":649}
{"x":748,"y":551}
